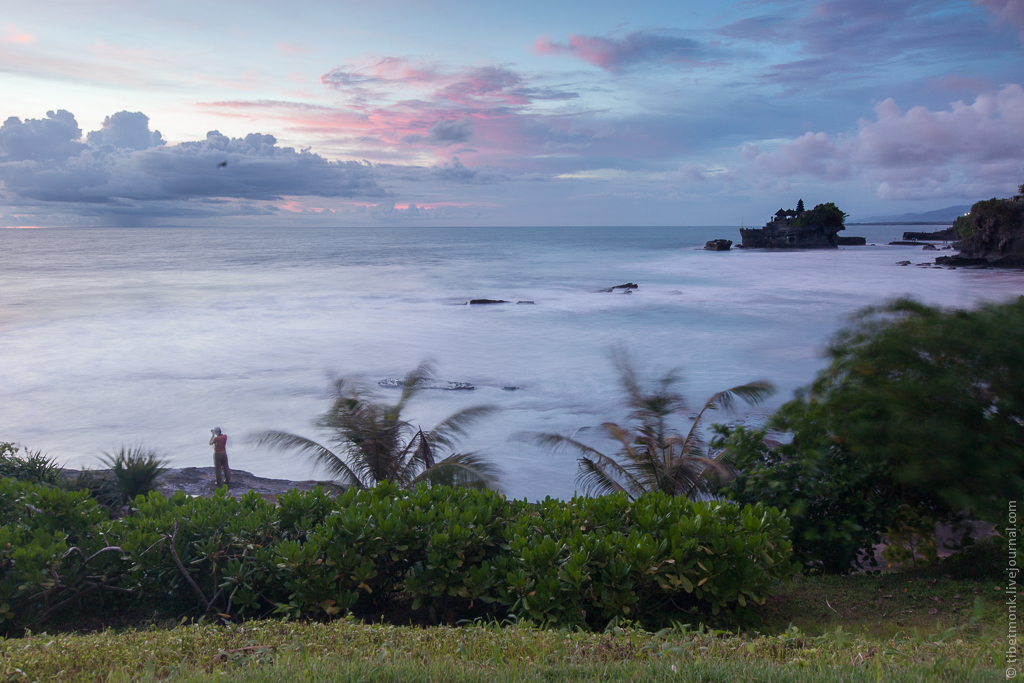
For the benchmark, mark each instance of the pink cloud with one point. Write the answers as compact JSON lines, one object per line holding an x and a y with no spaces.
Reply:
{"x":966,"y":150}
{"x":292,"y":48}
{"x":615,"y":54}
{"x":13,"y":35}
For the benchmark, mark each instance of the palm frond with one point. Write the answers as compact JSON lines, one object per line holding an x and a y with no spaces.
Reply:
{"x":320,"y":455}
{"x":460,"y":469}
{"x":751,"y":392}
{"x":448,"y":430}
{"x":414,"y":382}
{"x":594,"y":479}
{"x":695,"y":474}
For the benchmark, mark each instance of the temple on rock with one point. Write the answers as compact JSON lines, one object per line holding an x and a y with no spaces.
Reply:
{"x":798,"y":229}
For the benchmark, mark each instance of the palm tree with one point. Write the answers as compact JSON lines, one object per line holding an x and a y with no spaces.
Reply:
{"x":653,"y":456}
{"x":370,"y":442}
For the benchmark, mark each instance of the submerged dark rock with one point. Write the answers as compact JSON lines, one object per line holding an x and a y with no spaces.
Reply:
{"x":488,"y":301}
{"x":396,"y":383}
{"x":718,"y":245}
{"x":627,"y":286}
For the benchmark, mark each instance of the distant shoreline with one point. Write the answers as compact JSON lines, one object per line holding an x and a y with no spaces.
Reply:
{"x":947,"y":223}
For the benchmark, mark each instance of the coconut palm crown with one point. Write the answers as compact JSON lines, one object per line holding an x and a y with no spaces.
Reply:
{"x":653,"y":456}
{"x":369,"y":442}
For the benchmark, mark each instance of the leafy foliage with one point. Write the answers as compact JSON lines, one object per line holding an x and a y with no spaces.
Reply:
{"x":372,"y":443}
{"x":919,"y":417}
{"x":828,"y":215}
{"x":653,"y":455}
{"x":990,"y":218}
{"x":134,"y":472}
{"x":444,"y":549}
{"x":936,"y":395}
{"x":21,"y":464}
{"x":51,"y":551}
{"x":839,"y":506}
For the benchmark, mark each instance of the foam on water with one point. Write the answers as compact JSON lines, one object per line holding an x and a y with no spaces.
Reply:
{"x":156,"y":335}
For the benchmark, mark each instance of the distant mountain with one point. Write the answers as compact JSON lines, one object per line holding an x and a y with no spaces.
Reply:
{"x":946,"y":215}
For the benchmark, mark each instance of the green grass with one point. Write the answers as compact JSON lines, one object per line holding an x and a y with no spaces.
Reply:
{"x":821,"y":629}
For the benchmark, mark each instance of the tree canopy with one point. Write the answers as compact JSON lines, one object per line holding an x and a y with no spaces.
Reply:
{"x":828,"y":215}
{"x":920,"y":409}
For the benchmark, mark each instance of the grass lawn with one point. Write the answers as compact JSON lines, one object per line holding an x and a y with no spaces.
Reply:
{"x":892,"y":627}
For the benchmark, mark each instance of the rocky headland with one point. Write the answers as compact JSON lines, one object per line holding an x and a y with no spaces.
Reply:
{"x":992,"y":235}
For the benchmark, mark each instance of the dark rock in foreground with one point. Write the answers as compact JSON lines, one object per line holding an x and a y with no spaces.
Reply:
{"x":718,"y":245}
{"x":627,"y":286}
{"x":488,"y":301}
{"x":202,"y":482}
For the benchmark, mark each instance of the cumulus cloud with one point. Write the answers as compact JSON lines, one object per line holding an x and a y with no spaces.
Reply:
{"x":126,"y":167}
{"x":966,"y":150}
{"x":56,"y":137}
{"x":638,"y":47}
{"x":126,"y":130}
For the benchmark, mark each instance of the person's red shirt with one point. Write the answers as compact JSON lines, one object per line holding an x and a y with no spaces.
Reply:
{"x":220,"y":443}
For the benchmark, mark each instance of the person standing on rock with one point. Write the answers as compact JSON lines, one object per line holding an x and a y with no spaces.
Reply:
{"x":219,"y":441}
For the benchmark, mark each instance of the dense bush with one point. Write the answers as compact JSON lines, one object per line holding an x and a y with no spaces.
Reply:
{"x":23,"y":465}
{"x":919,"y":417}
{"x":593,"y":560}
{"x":446,"y":550}
{"x":51,"y":550}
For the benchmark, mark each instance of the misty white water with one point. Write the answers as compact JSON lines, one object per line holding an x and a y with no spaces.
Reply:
{"x":154,"y":336}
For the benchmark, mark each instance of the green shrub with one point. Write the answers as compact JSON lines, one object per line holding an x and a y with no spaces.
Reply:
{"x":49,"y":540}
{"x":449,"y":551}
{"x":592,"y":561}
{"x":32,"y":467}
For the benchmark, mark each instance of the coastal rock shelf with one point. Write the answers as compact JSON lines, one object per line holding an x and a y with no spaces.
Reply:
{"x":201,"y":482}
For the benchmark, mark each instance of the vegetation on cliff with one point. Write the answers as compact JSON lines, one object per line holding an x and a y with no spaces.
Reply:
{"x":990,"y":218}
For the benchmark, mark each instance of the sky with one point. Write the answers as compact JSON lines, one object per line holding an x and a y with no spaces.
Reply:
{"x":339,"y":113}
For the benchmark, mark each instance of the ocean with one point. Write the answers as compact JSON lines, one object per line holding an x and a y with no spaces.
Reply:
{"x":153,"y":336}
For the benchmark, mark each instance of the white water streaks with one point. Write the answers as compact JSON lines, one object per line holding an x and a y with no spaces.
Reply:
{"x":154,"y":336}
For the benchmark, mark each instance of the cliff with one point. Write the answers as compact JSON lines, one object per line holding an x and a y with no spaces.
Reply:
{"x":991,"y":234}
